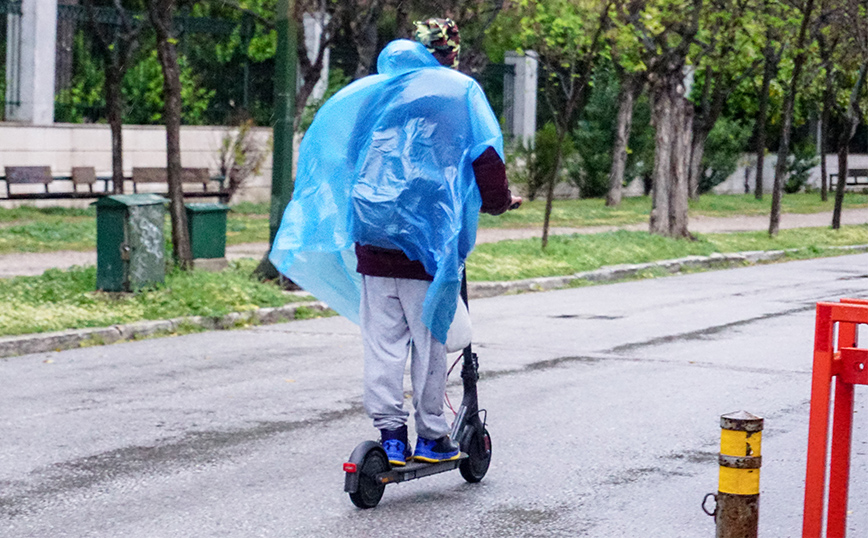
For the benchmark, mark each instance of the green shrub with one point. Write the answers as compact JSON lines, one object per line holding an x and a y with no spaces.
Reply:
{"x":802,"y":158}
{"x":594,"y":137}
{"x":143,"y":87}
{"x":84,"y":98}
{"x":532,"y":167}
{"x":724,"y":147}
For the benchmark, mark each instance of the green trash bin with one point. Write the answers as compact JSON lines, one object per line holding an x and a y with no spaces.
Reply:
{"x":207,"y":226}
{"x":130,"y":247}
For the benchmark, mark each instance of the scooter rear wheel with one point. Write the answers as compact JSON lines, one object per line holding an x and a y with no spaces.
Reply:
{"x":370,"y":490}
{"x":478,"y":450}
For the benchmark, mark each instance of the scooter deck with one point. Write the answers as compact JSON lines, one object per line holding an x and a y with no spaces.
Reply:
{"x":415,"y":470}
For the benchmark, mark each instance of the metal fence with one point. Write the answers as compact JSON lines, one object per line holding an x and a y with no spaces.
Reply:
{"x":498,"y":81}
{"x":221,"y":82}
{"x":10,"y":29}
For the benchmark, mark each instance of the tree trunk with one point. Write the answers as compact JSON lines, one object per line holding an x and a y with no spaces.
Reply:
{"x":825,"y":116}
{"x":681,"y":163}
{"x":64,"y":41}
{"x":116,"y":45}
{"x":114,"y":104}
{"x":769,"y":68}
{"x":365,"y":33}
{"x":747,"y":179}
{"x":161,"y":17}
{"x":847,"y":133}
{"x":402,"y":20}
{"x":843,"y":153}
{"x":697,"y":150}
{"x":787,"y":123}
{"x":311,"y":70}
{"x":783,"y":153}
{"x":672,"y":119}
{"x":630,"y":87}
{"x":575,"y":103}
{"x":715,"y":93}
{"x":553,"y":179}
{"x":701,"y":122}
{"x":661,"y":118}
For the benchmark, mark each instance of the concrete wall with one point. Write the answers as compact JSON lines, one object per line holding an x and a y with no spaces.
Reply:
{"x":63,"y":146}
{"x":734,"y":184}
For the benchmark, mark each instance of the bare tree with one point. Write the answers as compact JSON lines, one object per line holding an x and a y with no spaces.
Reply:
{"x":567,"y":70}
{"x":327,"y":15}
{"x":672,"y":115}
{"x":787,"y":122}
{"x":771,"y":59}
{"x":473,"y":17}
{"x":116,"y":41}
{"x":716,"y":90}
{"x":725,"y":63}
{"x":363,"y":24}
{"x":160,"y":13}
{"x":241,"y":156}
{"x":857,"y":27}
{"x":851,"y":122}
{"x":630,"y":87}
{"x":65,"y":37}
{"x":828,"y":43}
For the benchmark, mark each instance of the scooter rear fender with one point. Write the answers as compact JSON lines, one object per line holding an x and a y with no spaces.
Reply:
{"x":351,"y":482}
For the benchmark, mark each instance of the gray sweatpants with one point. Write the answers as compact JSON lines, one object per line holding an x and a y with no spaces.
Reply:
{"x":391,"y":320}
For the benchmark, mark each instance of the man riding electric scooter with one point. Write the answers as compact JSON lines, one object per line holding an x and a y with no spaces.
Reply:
{"x":392,"y":175}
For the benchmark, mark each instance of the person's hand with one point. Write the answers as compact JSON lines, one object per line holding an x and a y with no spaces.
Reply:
{"x":516,"y":202}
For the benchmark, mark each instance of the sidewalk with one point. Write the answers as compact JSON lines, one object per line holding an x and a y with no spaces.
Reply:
{"x":20,"y":264}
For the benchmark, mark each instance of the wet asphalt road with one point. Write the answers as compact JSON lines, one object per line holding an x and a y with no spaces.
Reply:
{"x":603,"y":408}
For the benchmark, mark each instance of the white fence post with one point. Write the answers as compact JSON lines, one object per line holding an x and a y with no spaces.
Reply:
{"x":314,"y":25}
{"x":30,"y":62}
{"x":522,"y":124}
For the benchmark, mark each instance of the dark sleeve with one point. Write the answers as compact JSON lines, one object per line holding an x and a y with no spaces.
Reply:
{"x":490,"y":175}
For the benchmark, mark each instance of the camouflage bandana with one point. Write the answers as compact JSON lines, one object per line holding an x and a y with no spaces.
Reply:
{"x":440,"y":37}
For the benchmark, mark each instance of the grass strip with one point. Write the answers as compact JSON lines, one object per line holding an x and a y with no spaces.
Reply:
{"x":59,"y":299}
{"x":51,"y":233}
{"x":569,"y":254}
{"x":594,"y":212}
{"x":30,"y":229}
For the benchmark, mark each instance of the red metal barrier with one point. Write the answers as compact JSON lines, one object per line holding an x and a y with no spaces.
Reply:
{"x":847,"y":365}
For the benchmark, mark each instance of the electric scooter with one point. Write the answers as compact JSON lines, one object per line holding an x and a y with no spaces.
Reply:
{"x":368,"y":469}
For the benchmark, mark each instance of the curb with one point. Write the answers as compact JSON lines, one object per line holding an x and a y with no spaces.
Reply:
{"x":619,"y":272}
{"x":11,"y":346}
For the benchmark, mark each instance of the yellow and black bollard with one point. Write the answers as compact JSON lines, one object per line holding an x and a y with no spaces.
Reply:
{"x":737,"y":510}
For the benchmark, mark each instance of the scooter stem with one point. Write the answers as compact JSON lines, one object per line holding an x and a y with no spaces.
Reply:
{"x":469,"y":409}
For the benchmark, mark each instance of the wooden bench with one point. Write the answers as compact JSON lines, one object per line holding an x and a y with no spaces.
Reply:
{"x":35,"y":175}
{"x":85,"y":176}
{"x":145,"y":175}
{"x":856,"y":177}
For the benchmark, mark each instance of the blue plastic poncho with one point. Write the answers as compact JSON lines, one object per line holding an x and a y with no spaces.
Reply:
{"x":388,"y":162}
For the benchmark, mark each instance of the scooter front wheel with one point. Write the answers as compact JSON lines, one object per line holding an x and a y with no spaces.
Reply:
{"x":478,"y":449}
{"x":370,"y":490}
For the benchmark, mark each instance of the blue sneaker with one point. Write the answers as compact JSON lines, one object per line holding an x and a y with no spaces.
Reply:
{"x":396,"y":445}
{"x":436,"y":450}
